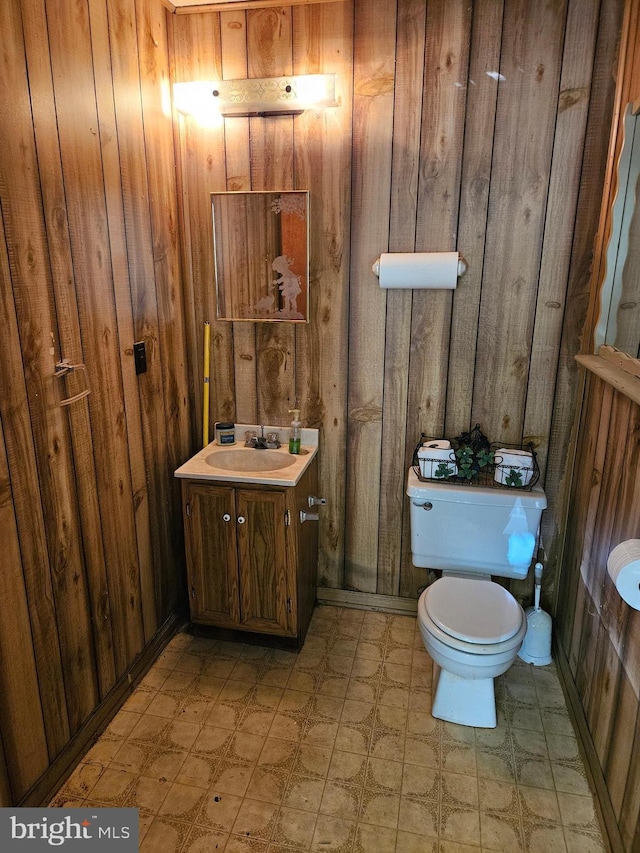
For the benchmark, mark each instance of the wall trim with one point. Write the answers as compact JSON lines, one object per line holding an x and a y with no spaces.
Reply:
{"x":51,"y":780}
{"x":608,"y":822}
{"x":367,"y":601}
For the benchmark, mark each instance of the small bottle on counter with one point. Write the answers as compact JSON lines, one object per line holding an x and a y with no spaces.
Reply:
{"x":294,"y":435}
{"x":225,"y":433}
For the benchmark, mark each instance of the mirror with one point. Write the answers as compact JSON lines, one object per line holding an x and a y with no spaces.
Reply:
{"x":619,"y":322}
{"x":260,"y":242}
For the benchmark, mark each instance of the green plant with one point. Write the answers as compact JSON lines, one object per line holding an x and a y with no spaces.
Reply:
{"x":473,"y":452}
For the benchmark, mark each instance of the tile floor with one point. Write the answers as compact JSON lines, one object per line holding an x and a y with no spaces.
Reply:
{"x":232,"y":747}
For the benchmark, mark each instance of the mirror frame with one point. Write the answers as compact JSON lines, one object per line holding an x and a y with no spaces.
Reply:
{"x":627,"y":92}
{"x":261,"y":255}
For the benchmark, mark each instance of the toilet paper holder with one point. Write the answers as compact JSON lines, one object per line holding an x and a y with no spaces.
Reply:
{"x":462,"y":266}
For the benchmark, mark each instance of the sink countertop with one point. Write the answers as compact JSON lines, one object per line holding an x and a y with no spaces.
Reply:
{"x":198,"y":468}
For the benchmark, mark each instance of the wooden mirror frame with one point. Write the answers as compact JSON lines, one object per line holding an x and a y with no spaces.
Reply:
{"x":627,"y":93}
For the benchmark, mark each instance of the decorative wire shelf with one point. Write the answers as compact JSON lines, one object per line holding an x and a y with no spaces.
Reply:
{"x":497,"y":474}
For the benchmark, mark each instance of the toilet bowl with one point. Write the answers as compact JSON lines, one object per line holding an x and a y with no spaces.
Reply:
{"x":473,"y":629}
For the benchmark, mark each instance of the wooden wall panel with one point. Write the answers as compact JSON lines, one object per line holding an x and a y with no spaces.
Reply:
{"x":479,"y":127}
{"x":37,"y":329}
{"x":407,"y":119}
{"x":523,"y":140}
{"x":322,"y":160}
{"x":153,"y":52}
{"x":445,"y":84}
{"x":597,"y":630}
{"x":88,"y":263}
{"x":271,"y":145}
{"x":69,"y":333}
{"x":374,"y":53}
{"x":23,"y":748}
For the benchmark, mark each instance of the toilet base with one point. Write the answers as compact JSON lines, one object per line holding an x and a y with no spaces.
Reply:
{"x":466,"y":701}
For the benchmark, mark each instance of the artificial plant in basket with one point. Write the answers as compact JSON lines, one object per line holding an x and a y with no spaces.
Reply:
{"x":473,"y":453}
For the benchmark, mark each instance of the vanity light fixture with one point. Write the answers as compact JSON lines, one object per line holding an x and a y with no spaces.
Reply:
{"x":257,"y":96}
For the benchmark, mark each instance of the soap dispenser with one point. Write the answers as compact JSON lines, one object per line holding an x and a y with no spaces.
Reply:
{"x":294,"y":435}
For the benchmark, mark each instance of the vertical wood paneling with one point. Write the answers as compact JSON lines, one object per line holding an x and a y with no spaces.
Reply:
{"x":79,"y":576}
{"x":27,"y":499}
{"x":233,"y":32}
{"x":69,"y":333}
{"x":153,"y":57}
{"x":568,"y":383}
{"x":405,"y":163}
{"x":373,"y":96}
{"x":23,"y":742}
{"x":72,"y":59}
{"x":322,"y":156}
{"x":270,"y":53}
{"x":570,"y":128}
{"x":121,"y":289}
{"x":198,"y":57}
{"x":603,"y":635}
{"x":448,"y":29}
{"x":527,"y":97}
{"x":140,"y":312}
{"x":37,"y":328}
{"x":468,"y":127}
{"x":482,"y":95}
{"x":619,"y":761}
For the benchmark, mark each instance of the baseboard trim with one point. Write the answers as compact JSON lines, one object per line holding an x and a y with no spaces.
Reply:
{"x":609,"y":824}
{"x":367,"y":601}
{"x":45,"y":788}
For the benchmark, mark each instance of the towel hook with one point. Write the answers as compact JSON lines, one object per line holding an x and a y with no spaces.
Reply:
{"x":64,"y":368}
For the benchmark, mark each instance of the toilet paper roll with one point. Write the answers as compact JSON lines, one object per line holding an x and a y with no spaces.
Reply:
{"x":510,"y":464}
{"x":441,"y":443}
{"x":437,"y":462}
{"x":623,"y":566}
{"x":430,"y":270}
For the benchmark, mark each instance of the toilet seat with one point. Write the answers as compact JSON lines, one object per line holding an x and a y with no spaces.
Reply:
{"x":472,"y":612}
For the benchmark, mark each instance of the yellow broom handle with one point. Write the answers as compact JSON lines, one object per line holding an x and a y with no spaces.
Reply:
{"x":205,"y":391}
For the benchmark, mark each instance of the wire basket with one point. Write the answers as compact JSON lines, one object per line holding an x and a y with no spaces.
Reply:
{"x":497,"y":466}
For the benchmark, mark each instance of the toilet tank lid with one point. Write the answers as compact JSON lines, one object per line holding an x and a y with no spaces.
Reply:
{"x":534,"y":498}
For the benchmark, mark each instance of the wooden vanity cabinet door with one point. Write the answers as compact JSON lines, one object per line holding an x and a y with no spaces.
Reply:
{"x":267,"y":588}
{"x":212,"y":564}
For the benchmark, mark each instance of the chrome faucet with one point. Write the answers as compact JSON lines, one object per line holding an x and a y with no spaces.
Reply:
{"x":260,"y":442}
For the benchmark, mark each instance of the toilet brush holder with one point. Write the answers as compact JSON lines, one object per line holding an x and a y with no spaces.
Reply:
{"x":536,"y":646}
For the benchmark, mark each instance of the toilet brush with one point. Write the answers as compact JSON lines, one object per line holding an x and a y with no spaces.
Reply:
{"x":536,"y":648}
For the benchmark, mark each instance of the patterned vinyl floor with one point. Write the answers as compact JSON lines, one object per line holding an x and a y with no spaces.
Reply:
{"x":244,"y":749}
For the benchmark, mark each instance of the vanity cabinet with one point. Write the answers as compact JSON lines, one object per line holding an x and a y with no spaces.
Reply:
{"x":251,"y":561}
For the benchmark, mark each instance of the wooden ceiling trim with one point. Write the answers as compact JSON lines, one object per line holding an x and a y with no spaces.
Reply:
{"x":188,"y":7}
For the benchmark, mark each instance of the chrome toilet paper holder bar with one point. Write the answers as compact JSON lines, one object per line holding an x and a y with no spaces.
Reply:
{"x":63,"y":369}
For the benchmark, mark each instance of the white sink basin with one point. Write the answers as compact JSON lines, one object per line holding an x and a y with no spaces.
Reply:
{"x":249,"y":459}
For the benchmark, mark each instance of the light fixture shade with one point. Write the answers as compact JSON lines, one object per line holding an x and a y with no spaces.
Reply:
{"x":265,"y":96}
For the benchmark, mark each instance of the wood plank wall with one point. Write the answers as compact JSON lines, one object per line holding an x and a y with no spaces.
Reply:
{"x":91,"y":560}
{"x":479,"y":127}
{"x":598,"y":632}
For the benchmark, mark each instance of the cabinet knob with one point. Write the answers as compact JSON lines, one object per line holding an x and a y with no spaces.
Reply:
{"x":226,"y":517}
{"x":241,"y":519}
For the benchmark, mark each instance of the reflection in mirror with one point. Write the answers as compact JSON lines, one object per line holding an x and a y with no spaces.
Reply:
{"x":260,"y":243}
{"x":619,"y":322}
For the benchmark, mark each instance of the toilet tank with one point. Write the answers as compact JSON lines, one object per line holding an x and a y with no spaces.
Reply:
{"x":474,"y":529}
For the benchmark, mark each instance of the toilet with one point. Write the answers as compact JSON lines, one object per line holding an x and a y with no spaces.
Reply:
{"x":471,"y":626}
